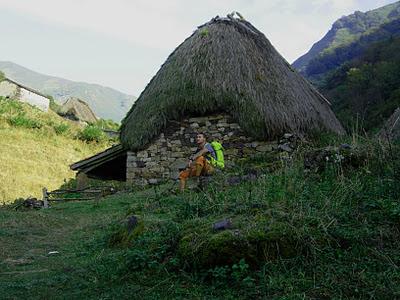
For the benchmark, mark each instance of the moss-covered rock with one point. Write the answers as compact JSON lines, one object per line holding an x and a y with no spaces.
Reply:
{"x":207,"y":249}
{"x":123,"y":235}
{"x":344,"y":156}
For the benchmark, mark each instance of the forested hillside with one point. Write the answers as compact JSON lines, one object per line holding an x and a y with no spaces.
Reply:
{"x":366,"y":88}
{"x":319,"y":66}
{"x":357,"y":67}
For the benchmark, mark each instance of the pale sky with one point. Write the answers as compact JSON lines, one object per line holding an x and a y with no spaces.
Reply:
{"x":122,"y":43}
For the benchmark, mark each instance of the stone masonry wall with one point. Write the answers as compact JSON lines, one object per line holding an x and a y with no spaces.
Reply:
{"x":170,"y":151}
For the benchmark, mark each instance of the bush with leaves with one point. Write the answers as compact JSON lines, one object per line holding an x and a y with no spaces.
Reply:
{"x":92,"y":133}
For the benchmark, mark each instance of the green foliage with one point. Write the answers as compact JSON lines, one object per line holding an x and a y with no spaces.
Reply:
{"x":9,"y":106}
{"x":2,"y":76}
{"x":107,"y":124}
{"x":61,"y":128}
{"x":21,"y":120}
{"x":92,"y":133}
{"x":204,"y":32}
{"x":366,"y":90}
{"x":333,"y":58}
{"x":54,"y":106}
{"x":19,"y":114}
{"x":294,"y":234}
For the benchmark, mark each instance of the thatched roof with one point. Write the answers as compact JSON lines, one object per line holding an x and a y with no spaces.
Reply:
{"x":228,"y":65}
{"x":78,"y":110}
{"x":391,"y":129}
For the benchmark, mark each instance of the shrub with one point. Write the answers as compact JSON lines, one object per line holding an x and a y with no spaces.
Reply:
{"x":54,"y":106}
{"x":91,"y":133}
{"x":21,"y":120}
{"x":61,"y":128}
{"x":204,"y":32}
{"x":107,"y":124}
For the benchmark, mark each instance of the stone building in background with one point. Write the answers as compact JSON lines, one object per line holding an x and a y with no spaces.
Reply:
{"x":76,"y":109}
{"x":14,"y":90}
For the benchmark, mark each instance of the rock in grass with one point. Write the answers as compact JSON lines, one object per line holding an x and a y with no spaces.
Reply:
{"x":346,"y":156}
{"x":204,"y":249}
{"x":125,"y":231}
{"x":285,"y":147}
{"x":223,"y":225}
{"x":132,"y":223}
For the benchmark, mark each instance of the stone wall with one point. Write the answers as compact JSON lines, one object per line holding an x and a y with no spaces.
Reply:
{"x":170,"y":151}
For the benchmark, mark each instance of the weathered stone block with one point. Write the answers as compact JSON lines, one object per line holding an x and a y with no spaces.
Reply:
{"x":132,"y":164}
{"x":140,"y":164}
{"x":198,"y":120}
{"x":176,"y":142}
{"x":179,"y":164}
{"x":150,"y":164}
{"x":231,"y":151}
{"x":264,"y":148}
{"x":142,"y":154}
{"x":130,"y":159}
{"x":157,"y":169}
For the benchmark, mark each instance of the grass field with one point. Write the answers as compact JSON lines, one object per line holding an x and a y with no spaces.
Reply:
{"x":36,"y":150}
{"x":295,"y":235}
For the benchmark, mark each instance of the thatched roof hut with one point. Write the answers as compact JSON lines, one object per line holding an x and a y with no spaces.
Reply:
{"x":227,"y":65}
{"x":78,"y":110}
{"x":391,"y":129}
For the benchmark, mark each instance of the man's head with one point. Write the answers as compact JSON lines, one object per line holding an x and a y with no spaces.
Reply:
{"x":200,"y":138}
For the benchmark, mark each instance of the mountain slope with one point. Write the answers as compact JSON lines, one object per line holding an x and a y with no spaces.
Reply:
{"x":366,"y":89}
{"x":321,"y":65}
{"x":347,"y":29}
{"x":106,"y":102}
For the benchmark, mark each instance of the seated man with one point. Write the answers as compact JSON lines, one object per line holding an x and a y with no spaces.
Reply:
{"x":199,"y":164}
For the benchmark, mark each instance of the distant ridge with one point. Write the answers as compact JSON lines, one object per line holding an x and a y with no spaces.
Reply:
{"x":106,"y":102}
{"x":347,"y":29}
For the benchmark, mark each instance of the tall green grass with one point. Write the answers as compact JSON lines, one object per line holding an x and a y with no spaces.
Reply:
{"x":295,"y":234}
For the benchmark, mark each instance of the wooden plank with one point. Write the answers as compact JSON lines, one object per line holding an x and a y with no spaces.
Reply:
{"x":71,"y":199}
{"x":75,"y":191}
{"x":94,"y":164}
{"x":45,"y":198}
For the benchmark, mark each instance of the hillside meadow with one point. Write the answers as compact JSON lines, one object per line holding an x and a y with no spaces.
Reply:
{"x":37,"y":148}
{"x":331,"y":233}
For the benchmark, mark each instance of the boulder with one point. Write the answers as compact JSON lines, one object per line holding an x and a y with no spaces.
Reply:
{"x":345,"y":156}
{"x":206,"y":250}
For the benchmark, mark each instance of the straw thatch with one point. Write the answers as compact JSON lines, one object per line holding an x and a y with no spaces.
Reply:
{"x":391,"y":129}
{"x":227,"y":65}
{"x":78,"y":110}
